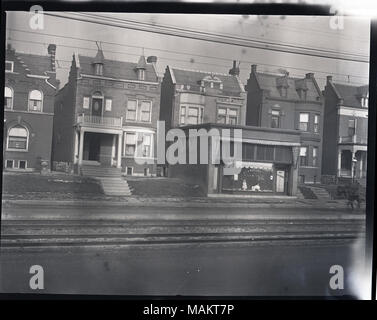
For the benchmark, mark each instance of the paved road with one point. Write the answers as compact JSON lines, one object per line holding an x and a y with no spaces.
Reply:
{"x":281,"y":252}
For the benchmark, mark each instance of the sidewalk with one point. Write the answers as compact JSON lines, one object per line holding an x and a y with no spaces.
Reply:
{"x":218,"y":202}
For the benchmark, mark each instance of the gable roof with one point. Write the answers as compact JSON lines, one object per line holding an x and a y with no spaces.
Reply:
{"x":117,"y":69}
{"x":32,"y":63}
{"x":271,"y":82}
{"x":231,"y":84}
{"x":351,"y":94}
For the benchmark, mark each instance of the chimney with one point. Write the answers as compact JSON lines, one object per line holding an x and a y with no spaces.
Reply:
{"x":51,"y":49}
{"x":253,"y":68}
{"x":152,"y":59}
{"x":329,"y":78}
{"x":235,"y":71}
{"x":309,"y":75}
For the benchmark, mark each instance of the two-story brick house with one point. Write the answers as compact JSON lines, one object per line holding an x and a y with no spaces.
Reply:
{"x":212,"y":102}
{"x":30,"y":86}
{"x":106,"y":115}
{"x":345,"y":130}
{"x":281,"y":101}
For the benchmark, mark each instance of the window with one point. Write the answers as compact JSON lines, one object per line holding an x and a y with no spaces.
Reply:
{"x":86,"y":103}
{"x":22,"y":164}
{"x":303,"y":156}
{"x":98,"y":69}
{"x":35,"y":101}
{"x":17,"y":138}
{"x":131,"y":110}
{"x":227,"y":115}
{"x":315,"y":156}
{"x":9,"y":66}
{"x":139,"y":110}
{"x":141,"y":74}
{"x":145,"y":111}
{"x":8,"y":98}
{"x":191,"y":115}
{"x":108,"y":103}
{"x":130,"y":144}
{"x":9,"y":164}
{"x":144,"y":143}
{"x":304,"y":122}
{"x":275,"y":119}
{"x":364,"y":101}
{"x":182,"y":118}
{"x":316,"y":123}
{"x":351,"y":127}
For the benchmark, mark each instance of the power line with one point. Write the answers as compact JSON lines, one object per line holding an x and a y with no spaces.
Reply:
{"x":180,"y":53}
{"x":162,"y":58}
{"x":211,"y":37}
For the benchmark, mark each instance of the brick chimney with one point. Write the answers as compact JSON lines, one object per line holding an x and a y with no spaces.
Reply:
{"x":253,"y":68}
{"x":152,"y":60}
{"x":51,"y":49}
{"x":309,"y":75}
{"x":329,"y":78}
{"x":235,"y":71}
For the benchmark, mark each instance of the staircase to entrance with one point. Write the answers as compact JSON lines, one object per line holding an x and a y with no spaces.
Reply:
{"x":111,"y":179}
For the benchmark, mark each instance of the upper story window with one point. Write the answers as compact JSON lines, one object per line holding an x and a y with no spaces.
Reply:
{"x":227,"y":115}
{"x":364,"y":101}
{"x":316,"y":123}
{"x":35,"y":100}
{"x":315,"y":156}
{"x":190,"y":114}
{"x":8,"y":98}
{"x":9,"y":65}
{"x":351,"y":127}
{"x":18,"y":137}
{"x":139,"y":110}
{"x":304,"y":122}
{"x":98,"y":69}
{"x":141,"y":74}
{"x":108,"y":104}
{"x":275,"y":119}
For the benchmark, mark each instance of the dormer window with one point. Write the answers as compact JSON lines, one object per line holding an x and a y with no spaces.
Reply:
{"x":141,"y":74}
{"x":98,"y":69}
{"x":364,"y":101}
{"x":9,"y":66}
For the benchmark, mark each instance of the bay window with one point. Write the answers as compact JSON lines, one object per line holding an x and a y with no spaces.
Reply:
{"x":190,"y":114}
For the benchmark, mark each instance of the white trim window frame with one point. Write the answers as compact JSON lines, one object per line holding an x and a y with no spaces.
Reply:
{"x":315,"y":156}
{"x":108,"y":104}
{"x":228,"y":114}
{"x":304,"y":121}
{"x":137,"y":110}
{"x":19,"y":161}
{"x":184,"y":113}
{"x":139,"y":136}
{"x":20,"y":138}
{"x":8,"y":98}
{"x":35,"y":101}
{"x":316,"y":123}
{"x":6,"y":164}
{"x":11,"y":63}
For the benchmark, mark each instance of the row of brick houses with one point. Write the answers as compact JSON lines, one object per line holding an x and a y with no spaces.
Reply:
{"x":107,"y":113}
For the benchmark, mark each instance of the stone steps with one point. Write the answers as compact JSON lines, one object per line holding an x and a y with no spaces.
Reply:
{"x":115,"y":186}
{"x":321,"y":193}
{"x":95,"y":171}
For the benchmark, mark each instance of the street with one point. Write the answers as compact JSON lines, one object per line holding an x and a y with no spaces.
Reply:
{"x":180,"y":251}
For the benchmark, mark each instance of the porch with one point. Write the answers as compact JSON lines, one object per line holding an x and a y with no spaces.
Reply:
{"x":352,"y":162}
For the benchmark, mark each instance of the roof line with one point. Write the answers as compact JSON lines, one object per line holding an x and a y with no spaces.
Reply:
{"x":201,"y":71}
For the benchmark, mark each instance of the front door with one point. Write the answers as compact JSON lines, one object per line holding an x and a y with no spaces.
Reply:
{"x":94,"y":147}
{"x":97,"y":107}
{"x":280,"y":181}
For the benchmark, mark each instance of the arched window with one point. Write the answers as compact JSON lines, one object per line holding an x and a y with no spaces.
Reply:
{"x":8,"y":98}
{"x":18,"y":137}
{"x":35,"y":100}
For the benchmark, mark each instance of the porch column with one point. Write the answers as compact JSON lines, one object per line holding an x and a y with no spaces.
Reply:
{"x":119,"y":161}
{"x":81,"y":146}
{"x":353,"y":165}
{"x":113,"y":150}
{"x":339,"y":162}
{"x":76,"y":148}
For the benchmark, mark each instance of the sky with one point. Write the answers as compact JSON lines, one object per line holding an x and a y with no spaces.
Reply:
{"x":128,"y":45}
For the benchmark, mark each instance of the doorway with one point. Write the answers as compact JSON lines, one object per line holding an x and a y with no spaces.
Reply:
{"x":97,"y":107}
{"x":281,"y":180}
